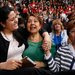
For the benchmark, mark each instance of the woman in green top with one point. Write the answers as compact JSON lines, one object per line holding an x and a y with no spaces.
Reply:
{"x":35,"y":40}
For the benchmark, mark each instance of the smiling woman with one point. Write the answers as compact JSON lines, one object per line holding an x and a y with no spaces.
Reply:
{"x":35,"y":40}
{"x":33,"y":25}
{"x":12,"y":22}
{"x":12,"y":44}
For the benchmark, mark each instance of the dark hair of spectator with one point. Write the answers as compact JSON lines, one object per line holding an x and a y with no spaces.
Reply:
{"x":4,"y":12}
{"x":70,"y":26}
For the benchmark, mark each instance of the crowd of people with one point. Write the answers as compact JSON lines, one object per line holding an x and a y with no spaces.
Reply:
{"x":43,"y":31}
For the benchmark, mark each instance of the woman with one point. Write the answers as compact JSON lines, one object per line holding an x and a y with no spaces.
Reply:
{"x":64,"y":59}
{"x":35,"y":40}
{"x":12,"y":44}
{"x":58,"y":35}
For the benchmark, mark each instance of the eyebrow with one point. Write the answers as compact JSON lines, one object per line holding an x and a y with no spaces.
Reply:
{"x":12,"y":17}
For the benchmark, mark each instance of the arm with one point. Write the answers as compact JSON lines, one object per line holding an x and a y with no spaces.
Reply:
{"x":46,"y":42}
{"x":46,"y":36}
{"x":53,"y":64}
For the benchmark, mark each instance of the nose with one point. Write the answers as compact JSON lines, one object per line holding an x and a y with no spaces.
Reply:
{"x":32,"y":22}
{"x":16,"y":20}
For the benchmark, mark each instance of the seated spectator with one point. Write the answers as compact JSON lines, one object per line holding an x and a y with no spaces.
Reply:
{"x":65,"y":55}
{"x":35,"y":40}
{"x":58,"y":35}
{"x":48,"y":24}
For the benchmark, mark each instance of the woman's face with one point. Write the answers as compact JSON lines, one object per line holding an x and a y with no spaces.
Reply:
{"x":11,"y":23}
{"x":57,"y":27}
{"x":33,"y":25}
{"x":72,"y":36}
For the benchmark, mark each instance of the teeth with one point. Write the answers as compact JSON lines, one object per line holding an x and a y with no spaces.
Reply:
{"x":32,"y":27}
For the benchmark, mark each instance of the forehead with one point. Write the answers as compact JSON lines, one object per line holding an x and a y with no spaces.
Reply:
{"x":32,"y":17}
{"x":11,"y":14}
{"x":73,"y":28}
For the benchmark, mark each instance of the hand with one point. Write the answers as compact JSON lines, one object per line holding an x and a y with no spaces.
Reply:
{"x":10,"y":64}
{"x":39,"y":64}
{"x":46,"y":37}
{"x":46,"y":43}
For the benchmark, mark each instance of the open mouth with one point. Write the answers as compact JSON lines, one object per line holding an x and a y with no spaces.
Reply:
{"x":32,"y":27}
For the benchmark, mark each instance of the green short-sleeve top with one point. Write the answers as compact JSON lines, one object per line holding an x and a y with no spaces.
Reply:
{"x":34,"y":51}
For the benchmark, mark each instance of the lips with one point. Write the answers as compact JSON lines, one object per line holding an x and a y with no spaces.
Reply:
{"x":32,"y":27}
{"x":16,"y":25}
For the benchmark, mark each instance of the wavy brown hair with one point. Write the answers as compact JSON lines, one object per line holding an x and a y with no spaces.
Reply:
{"x":70,"y":25}
{"x":57,"y":21}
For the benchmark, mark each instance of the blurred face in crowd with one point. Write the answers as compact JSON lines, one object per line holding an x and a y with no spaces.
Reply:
{"x":50,"y":16}
{"x":11,"y":23}
{"x":57,"y":27}
{"x":72,"y":35}
{"x":41,"y":16}
{"x":33,"y":24}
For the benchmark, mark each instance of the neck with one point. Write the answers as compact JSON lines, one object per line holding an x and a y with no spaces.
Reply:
{"x":58,"y":32}
{"x":73,"y":46}
{"x":7,"y":32}
{"x":35,"y":37}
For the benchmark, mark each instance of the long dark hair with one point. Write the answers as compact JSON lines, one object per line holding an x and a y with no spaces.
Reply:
{"x":4,"y":12}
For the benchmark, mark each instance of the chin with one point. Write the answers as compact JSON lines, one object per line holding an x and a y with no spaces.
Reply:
{"x":32,"y":31}
{"x":15,"y":29}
